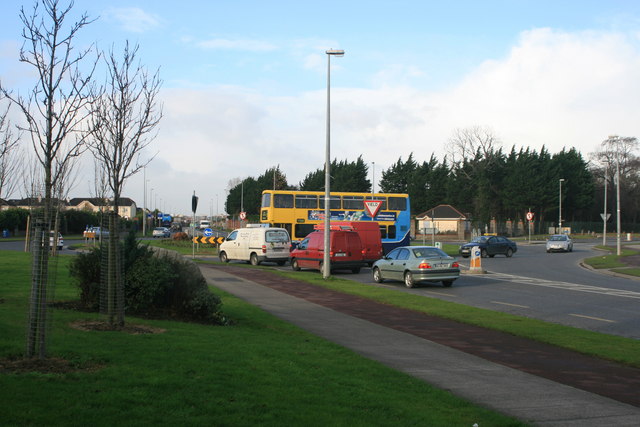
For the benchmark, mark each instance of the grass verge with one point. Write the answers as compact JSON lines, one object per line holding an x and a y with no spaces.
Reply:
{"x":613,"y":262}
{"x":260,"y":371}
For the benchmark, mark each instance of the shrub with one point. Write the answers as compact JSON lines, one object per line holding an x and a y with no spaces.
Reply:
{"x":180,"y":236}
{"x":157,"y":282}
{"x":85,"y":267}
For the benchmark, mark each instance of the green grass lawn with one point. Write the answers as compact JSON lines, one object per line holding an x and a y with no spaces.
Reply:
{"x":260,"y":371}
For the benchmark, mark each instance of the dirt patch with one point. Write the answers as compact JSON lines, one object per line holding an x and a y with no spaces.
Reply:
{"x":44,"y":366}
{"x":97,"y":325}
{"x":631,"y":260}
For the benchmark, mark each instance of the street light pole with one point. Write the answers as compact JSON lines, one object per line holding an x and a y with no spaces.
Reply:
{"x":604,"y":214}
{"x":560,"y":207}
{"x":618,"y":248}
{"x":326,"y":263}
{"x":144,"y":202}
{"x":373,"y":178}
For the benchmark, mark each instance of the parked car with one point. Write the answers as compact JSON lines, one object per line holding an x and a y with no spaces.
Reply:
{"x":59,"y":242}
{"x":161,"y":232}
{"x":414,"y":264}
{"x":559,"y":242}
{"x":490,"y":246}
{"x":345,"y":249}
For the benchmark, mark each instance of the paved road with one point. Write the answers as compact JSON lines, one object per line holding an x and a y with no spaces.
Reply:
{"x":552,"y":287}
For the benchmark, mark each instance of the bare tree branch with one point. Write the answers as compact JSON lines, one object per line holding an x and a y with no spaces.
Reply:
{"x":9,"y":156}
{"x":125,"y":117}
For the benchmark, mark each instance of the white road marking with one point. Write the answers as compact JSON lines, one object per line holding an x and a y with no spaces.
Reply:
{"x":562,"y":285}
{"x":592,"y":318}
{"x":511,"y":305}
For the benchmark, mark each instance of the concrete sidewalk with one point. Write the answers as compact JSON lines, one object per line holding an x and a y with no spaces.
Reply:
{"x":527,"y":397}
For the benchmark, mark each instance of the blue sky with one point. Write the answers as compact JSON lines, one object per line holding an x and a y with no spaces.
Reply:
{"x":245,"y":81}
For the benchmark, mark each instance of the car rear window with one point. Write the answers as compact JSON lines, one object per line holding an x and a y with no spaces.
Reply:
{"x":276,"y":236}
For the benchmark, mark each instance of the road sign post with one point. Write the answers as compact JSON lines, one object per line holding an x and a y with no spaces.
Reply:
{"x":194,"y":206}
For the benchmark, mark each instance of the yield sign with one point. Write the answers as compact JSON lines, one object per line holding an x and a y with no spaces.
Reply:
{"x":372,"y":207}
{"x":605,"y":217}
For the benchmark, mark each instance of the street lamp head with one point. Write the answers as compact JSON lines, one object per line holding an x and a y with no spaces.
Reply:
{"x":335,"y":52}
{"x":561,"y":179}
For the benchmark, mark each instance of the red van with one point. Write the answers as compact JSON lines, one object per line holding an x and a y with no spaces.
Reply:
{"x":346,"y":251}
{"x":369,"y":232}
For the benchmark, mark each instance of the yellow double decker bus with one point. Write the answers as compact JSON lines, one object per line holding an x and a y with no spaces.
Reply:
{"x":300,"y":211}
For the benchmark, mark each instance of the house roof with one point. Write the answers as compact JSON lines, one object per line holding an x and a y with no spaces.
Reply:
{"x":34,"y":201}
{"x":99,"y":201}
{"x":441,"y":212}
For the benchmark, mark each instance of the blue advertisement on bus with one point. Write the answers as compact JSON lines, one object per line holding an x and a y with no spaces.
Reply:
{"x":318,"y":215}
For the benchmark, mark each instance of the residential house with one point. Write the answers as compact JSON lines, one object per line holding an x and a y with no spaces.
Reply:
{"x":126,"y":207}
{"x":443,"y":219}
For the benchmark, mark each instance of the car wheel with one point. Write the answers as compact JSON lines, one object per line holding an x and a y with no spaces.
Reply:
{"x":492,"y":255}
{"x":223,"y":257}
{"x":377,"y":276}
{"x":447,"y":283}
{"x":509,"y":253}
{"x":281,"y":263}
{"x":294,"y":265}
{"x":483,"y":253}
{"x":465,"y":256}
{"x":253,"y":259}
{"x":408,"y":280}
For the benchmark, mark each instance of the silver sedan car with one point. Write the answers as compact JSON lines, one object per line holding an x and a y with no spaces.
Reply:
{"x":414,"y":264}
{"x":559,"y":243}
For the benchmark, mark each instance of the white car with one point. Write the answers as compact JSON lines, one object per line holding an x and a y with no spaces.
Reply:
{"x":59,"y":242}
{"x":559,"y":243}
{"x":161,"y":232}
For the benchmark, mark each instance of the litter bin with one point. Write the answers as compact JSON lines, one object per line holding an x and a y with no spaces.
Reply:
{"x":5,"y":233}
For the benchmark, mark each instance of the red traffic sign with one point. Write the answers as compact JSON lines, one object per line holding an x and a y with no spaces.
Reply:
{"x":372,"y":207}
{"x":529,"y":216}
{"x":243,"y":215}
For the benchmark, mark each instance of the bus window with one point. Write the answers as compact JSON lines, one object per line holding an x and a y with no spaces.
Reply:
{"x":302,"y":230}
{"x":398,"y":204}
{"x":333,"y":204}
{"x":283,"y":200}
{"x":306,"y":201}
{"x":352,"y":202}
{"x":383,"y":231}
{"x":383,"y":207}
{"x":286,"y":226}
{"x":266,"y":200}
{"x":391,"y":234}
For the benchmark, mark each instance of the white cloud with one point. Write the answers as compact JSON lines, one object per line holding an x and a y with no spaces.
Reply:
{"x":133,"y":19}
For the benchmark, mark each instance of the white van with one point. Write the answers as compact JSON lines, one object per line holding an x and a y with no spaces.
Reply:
{"x":204,"y":223}
{"x":256,"y":243}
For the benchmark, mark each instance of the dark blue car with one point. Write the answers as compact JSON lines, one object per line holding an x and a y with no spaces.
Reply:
{"x":490,"y":246}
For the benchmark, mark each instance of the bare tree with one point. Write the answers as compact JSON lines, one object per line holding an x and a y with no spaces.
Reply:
{"x":124,"y":121}
{"x":467,"y":143}
{"x":54,"y":111}
{"x":9,"y":156}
